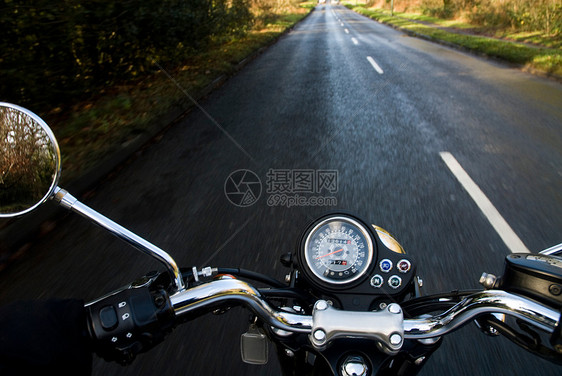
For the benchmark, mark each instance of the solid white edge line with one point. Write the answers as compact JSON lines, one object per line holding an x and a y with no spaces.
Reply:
{"x":503,"y":229}
{"x":375,"y":65}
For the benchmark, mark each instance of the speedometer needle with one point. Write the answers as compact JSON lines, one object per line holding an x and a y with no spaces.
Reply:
{"x":328,"y":254}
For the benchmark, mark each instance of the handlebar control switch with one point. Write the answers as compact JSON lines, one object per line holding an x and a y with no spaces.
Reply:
{"x":129,"y":322}
{"x":108,"y":318}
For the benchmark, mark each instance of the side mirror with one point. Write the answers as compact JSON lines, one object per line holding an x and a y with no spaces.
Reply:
{"x":29,"y":173}
{"x":29,"y":161}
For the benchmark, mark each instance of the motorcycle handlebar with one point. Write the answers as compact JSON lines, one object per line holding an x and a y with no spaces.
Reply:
{"x":474,"y":305}
{"x":133,"y":320}
{"x":219,"y":293}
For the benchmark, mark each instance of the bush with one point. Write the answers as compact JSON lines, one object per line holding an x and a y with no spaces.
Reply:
{"x":524,"y":15}
{"x":56,"y":51}
{"x":444,"y":9}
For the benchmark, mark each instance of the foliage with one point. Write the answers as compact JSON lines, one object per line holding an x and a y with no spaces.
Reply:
{"x":55,"y":51}
{"x":524,"y":15}
{"x":546,"y":60}
{"x":543,"y":16}
{"x":27,"y":161}
{"x":91,"y":130}
{"x":267,"y":11}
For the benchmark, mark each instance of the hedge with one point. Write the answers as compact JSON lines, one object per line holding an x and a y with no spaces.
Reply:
{"x":53,"y":52}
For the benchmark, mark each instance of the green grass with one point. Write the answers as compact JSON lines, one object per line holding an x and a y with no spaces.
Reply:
{"x":536,"y":38}
{"x":93,"y":130}
{"x":434,"y":20}
{"x":538,"y":58}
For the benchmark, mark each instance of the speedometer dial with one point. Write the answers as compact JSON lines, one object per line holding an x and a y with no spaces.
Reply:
{"x":338,"y":250}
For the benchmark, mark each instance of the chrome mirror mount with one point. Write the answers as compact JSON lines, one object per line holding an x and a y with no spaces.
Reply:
{"x":30,"y":169}
{"x":553,"y":251}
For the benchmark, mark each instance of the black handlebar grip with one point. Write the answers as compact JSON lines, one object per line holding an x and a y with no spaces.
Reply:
{"x":129,"y":322}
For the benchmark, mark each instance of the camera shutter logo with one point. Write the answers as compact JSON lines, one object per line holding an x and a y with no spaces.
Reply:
{"x":242,"y":188}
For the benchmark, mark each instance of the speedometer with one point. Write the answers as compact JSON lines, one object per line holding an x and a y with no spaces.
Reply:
{"x":338,"y":250}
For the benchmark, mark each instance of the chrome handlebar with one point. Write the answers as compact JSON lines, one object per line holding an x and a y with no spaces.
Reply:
{"x":221,"y":292}
{"x":489,"y":301}
{"x":227,"y":290}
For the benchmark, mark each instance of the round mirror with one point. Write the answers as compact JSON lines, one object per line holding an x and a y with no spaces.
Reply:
{"x":29,"y":161}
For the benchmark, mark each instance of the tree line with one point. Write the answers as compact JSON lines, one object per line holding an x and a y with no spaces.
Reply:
{"x":55,"y":51}
{"x":524,"y":15}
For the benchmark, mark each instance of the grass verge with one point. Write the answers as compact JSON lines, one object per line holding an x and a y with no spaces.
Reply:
{"x":92,"y":131}
{"x":541,"y":59}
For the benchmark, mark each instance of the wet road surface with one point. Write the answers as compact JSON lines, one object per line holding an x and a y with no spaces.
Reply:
{"x":338,"y":93}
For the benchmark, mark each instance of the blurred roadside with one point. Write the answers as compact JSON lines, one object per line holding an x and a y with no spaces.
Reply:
{"x":527,"y":34}
{"x":102,"y":131}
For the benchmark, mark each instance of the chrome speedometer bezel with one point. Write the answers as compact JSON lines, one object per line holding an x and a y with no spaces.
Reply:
{"x":307,"y":263}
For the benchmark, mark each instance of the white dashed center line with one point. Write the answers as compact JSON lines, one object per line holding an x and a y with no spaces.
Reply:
{"x":375,"y":65}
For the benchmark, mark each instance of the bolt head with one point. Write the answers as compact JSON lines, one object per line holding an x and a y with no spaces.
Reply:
{"x":321,"y":305}
{"x":555,"y":289}
{"x":354,"y":366}
{"x":395,"y":339}
{"x":394,"y":308}
{"x":319,"y":335}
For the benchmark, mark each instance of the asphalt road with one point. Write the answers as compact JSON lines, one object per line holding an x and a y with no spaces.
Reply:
{"x":338,"y":93}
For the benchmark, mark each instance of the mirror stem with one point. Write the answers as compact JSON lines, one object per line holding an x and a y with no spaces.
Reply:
{"x":553,"y":251}
{"x":69,"y":202}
